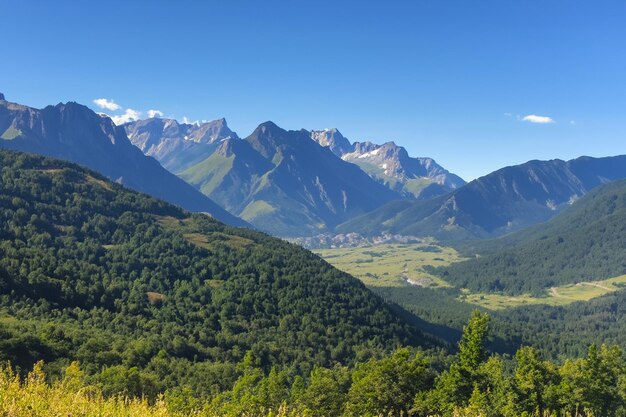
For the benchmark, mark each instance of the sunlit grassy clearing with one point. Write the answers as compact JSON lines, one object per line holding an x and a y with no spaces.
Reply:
{"x":392,"y":264}
{"x":567,"y":294}
{"x":200,"y":239}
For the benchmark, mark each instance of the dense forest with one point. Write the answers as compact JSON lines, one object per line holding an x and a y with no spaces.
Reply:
{"x":148,"y":297}
{"x":586,"y":242}
{"x":560,"y":332}
{"x":406,"y":382}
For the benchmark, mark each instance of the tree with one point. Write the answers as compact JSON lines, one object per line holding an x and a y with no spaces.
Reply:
{"x":326,"y":392}
{"x":569,"y":393}
{"x":455,"y":386}
{"x":532,"y":378}
{"x":387,"y":386}
{"x":472,"y":350}
{"x":601,"y":374}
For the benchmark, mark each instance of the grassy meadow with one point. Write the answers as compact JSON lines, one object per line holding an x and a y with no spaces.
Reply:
{"x":402,"y":265}
{"x":555,"y":296}
{"x":393,"y":265}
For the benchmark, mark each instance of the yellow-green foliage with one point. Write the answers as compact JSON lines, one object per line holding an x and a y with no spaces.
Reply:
{"x":473,"y":386}
{"x":34,"y":397}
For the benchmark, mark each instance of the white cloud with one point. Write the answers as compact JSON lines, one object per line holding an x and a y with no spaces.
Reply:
{"x":508,"y":114}
{"x":572,"y":122}
{"x":155,"y":113}
{"x":128,"y":116}
{"x":104,"y":103}
{"x":533,"y":118}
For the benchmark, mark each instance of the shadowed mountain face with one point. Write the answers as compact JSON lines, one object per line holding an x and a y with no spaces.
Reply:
{"x":583,"y":243}
{"x":504,"y":201}
{"x":75,"y":133}
{"x":391,"y":165}
{"x":283,"y":182}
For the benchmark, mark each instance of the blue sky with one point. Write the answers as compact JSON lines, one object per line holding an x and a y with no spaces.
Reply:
{"x":453,"y":80}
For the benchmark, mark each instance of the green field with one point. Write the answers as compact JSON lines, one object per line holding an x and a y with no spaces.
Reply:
{"x":555,"y":296}
{"x":402,"y":265}
{"x":390,"y":265}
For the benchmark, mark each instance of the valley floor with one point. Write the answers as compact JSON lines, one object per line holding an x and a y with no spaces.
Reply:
{"x":402,"y":265}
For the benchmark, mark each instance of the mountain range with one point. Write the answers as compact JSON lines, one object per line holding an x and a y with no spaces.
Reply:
{"x":501,"y":202}
{"x":282,"y":181}
{"x":391,"y":165}
{"x":75,"y":133}
{"x":302,"y":183}
{"x":153,"y":300}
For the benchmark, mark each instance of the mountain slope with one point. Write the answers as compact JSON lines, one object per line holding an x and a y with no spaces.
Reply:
{"x":285,"y":183}
{"x":125,"y":283}
{"x":177,"y":146}
{"x":74,"y":132}
{"x":586,"y":242}
{"x":391,"y":165}
{"x":504,"y":201}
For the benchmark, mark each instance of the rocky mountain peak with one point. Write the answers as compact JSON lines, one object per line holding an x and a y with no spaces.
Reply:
{"x":268,"y":128}
{"x":210,"y":132}
{"x":267,"y":138}
{"x":333,"y":139}
{"x":361,"y":148}
{"x":392,"y":165}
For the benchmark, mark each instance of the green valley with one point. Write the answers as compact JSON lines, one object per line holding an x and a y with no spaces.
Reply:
{"x":406,"y":265}
{"x":393,"y":264}
{"x":558,"y":285}
{"x":555,"y":296}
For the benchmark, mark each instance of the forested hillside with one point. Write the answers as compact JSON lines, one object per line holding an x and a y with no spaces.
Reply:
{"x":585,"y":243}
{"x":149,"y":297}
